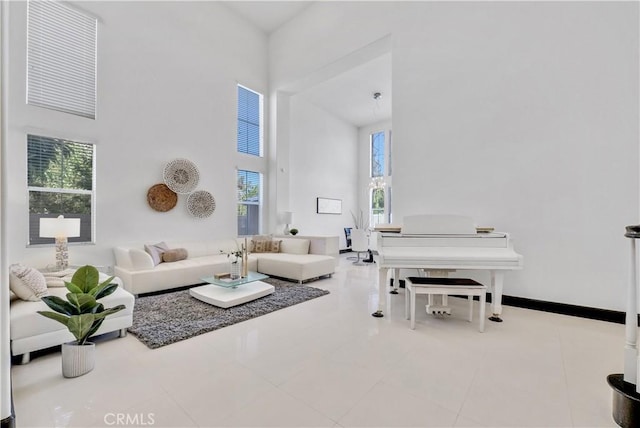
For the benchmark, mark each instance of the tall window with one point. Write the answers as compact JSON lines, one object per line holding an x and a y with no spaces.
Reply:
{"x":377,"y":206}
{"x":60,"y":180}
{"x":377,"y":154}
{"x":390,"y":153}
{"x":380,"y":184}
{"x":249,"y":122}
{"x":249,"y":202}
{"x":61,"y":58}
{"x":249,"y":142}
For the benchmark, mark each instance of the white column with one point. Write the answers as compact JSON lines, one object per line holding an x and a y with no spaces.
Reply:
{"x":279,"y":174}
{"x":631,"y":329}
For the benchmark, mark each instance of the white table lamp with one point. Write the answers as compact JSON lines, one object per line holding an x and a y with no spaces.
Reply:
{"x":60,"y":228}
{"x":287,"y":218}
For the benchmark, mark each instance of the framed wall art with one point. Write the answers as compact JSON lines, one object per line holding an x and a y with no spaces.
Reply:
{"x":329,"y":206}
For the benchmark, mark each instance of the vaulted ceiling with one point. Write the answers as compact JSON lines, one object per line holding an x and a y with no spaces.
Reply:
{"x":348,"y":95}
{"x":268,"y":15}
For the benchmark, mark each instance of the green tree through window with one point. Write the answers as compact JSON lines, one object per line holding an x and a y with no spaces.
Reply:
{"x":60,"y":181}
{"x":377,"y":206}
{"x":248,"y":202}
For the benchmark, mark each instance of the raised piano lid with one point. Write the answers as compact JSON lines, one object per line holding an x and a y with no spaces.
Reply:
{"x":432,"y":230}
{"x":438,"y":224}
{"x":387,"y":227}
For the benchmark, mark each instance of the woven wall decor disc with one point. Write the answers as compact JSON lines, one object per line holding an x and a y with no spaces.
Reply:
{"x":181,"y":175}
{"x":161,"y":198}
{"x":201,"y":204}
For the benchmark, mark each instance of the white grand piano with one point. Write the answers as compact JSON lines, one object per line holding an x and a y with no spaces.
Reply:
{"x":438,"y":244}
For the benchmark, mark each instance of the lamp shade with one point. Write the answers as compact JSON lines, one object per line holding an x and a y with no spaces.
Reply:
{"x":59,"y":227}
{"x":287,"y":217}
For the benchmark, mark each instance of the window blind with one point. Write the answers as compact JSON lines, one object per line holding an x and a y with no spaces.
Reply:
{"x":249,"y":121}
{"x":59,"y":181}
{"x":61,"y":58}
{"x":248,"y":186}
{"x":59,"y":164}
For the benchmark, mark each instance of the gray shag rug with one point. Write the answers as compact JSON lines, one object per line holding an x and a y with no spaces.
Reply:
{"x":167,"y":318}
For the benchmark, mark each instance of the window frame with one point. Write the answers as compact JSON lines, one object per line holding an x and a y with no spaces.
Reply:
{"x":383,"y":166}
{"x":92,"y":192}
{"x":260,"y":123}
{"x":375,"y":212}
{"x":385,"y":177}
{"x":248,"y":161}
{"x":259,"y":203}
{"x":61,"y":59}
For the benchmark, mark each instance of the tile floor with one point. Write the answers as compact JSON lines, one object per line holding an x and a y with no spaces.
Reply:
{"x":327,"y":362}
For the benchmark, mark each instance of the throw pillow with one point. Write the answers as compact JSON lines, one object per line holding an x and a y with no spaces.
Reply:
{"x":261,"y":246}
{"x":155,"y":251}
{"x":275,"y":246}
{"x":256,"y":238}
{"x":174,"y":255}
{"x":295,"y":246}
{"x":27,"y":283}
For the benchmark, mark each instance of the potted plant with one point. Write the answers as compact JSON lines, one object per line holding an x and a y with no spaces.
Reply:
{"x":293,"y":231}
{"x":240,"y":263}
{"x":82,"y":315}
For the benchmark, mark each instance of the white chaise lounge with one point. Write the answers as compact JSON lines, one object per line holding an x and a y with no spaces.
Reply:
{"x":300,"y":259}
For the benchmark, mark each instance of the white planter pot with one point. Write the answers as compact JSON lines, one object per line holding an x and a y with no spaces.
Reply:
{"x":77,"y":359}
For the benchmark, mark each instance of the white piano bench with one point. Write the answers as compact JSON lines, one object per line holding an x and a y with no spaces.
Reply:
{"x":445,"y":287}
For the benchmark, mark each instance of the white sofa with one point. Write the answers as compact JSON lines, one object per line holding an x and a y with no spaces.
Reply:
{"x":300,"y":259}
{"x":30,"y":331}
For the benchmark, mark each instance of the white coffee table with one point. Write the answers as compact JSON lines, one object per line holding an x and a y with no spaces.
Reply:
{"x":225,"y":293}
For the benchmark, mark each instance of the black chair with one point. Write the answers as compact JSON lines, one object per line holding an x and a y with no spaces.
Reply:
{"x":347,"y":236}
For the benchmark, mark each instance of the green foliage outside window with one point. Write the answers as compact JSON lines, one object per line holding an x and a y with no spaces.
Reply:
{"x":58,"y":164}
{"x":248,"y":188}
{"x":377,"y":201}
{"x":54,"y":166}
{"x":60,"y":181}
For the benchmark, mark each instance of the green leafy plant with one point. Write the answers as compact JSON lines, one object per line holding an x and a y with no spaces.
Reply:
{"x":293,"y":231}
{"x":81,"y":313}
{"x":237,"y":253}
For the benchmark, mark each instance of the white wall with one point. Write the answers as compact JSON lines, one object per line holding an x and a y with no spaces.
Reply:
{"x":522,"y":115}
{"x":323,"y":163}
{"x":167,"y":76}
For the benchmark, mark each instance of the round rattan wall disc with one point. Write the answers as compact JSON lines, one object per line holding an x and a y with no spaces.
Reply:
{"x":181,"y":175}
{"x":161,"y":198}
{"x":201,"y":204}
